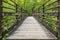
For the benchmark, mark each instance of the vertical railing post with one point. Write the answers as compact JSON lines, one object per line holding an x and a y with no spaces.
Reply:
{"x":16,"y":8}
{"x":43,"y":13}
{"x":43,"y":8}
{"x":32,"y":11}
{"x":21,"y":13}
{"x":17,"y":12}
{"x":33,"y":14}
{"x":1,"y":17}
{"x":38,"y":10}
{"x":58,"y":20}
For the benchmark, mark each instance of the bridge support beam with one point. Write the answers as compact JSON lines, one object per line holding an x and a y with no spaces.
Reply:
{"x":1,"y":17}
{"x":58,"y":20}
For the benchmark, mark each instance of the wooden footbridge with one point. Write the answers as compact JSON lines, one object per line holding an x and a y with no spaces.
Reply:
{"x":40,"y":25}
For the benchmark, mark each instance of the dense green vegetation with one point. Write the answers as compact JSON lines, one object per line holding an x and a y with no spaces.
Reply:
{"x":29,"y":5}
{"x":51,"y":20}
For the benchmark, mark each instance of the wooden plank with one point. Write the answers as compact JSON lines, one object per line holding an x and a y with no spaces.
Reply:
{"x":51,"y":14}
{"x":31,"y":29}
{"x":9,"y":14}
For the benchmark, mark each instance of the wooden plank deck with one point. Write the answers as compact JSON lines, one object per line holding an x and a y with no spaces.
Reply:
{"x":31,"y":29}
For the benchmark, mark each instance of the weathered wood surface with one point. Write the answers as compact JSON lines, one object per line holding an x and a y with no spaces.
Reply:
{"x":31,"y":29}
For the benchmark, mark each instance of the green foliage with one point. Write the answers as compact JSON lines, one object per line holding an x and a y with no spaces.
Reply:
{"x":50,"y":7}
{"x":9,"y":6}
{"x":8,"y":21}
{"x":51,"y":21}
{"x":29,"y":5}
